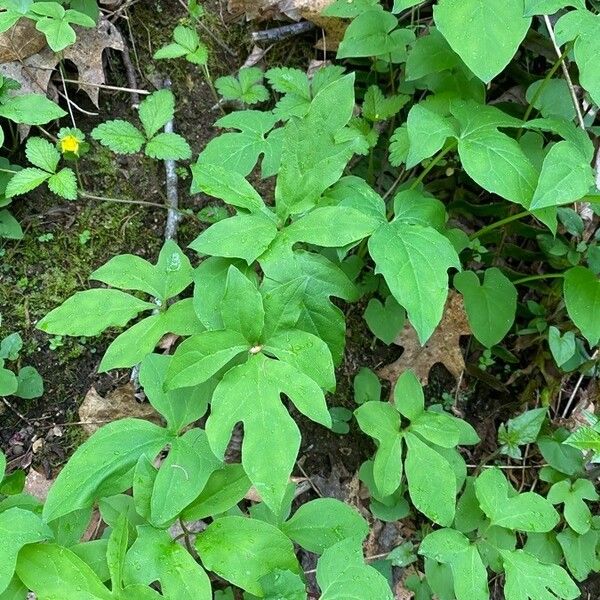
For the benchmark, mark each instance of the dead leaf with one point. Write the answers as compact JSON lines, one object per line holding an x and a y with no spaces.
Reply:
{"x":118,"y":404}
{"x":20,"y":41}
{"x":37,"y":485}
{"x":34,"y":72}
{"x":442,"y":347}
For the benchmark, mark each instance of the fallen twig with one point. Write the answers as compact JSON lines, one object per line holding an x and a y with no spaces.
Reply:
{"x":281,"y":33}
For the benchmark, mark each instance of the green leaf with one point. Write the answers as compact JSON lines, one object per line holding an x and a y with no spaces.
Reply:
{"x":251,"y":393}
{"x":108,"y":454}
{"x":342,"y":574}
{"x":435,"y":498}
{"x":582,"y":26}
{"x":430,"y":54}
{"x":563,"y":347}
{"x":367,"y":386}
{"x":526,"y":512}
{"x":427,"y":133}
{"x":552,"y":98}
{"x":414,"y":261}
{"x":29,"y":383}
{"x":529,"y":579}
{"x":201,"y":356}
{"x":550,"y":7}
{"x":376,"y":107}
{"x":25,"y":180}
{"x":409,"y":399}
{"x":289,"y":81}
{"x":227,"y":185}
{"x":33,"y":109}
{"x":182,"y":577}
{"x":18,"y":528}
{"x":322,"y":523}
{"x":170,"y":51}
{"x":242,"y":551}
{"x":242,"y":236}
{"x":52,"y":571}
{"x":59,"y":34}
{"x":399,"y":146}
{"x":247,"y":86}
{"x":2,"y":465}
{"x":91,"y":312}
{"x":566,"y":177}
{"x":119,"y":136}
{"x":186,"y":37}
{"x":413,"y":206}
{"x":224,"y":489}
{"x":156,"y":110}
{"x":282,"y":304}
{"x":580,"y":552}
{"x":576,"y":511}
{"x":64,"y":184}
{"x":521,"y":430}
{"x":168,"y":146}
{"x":484,"y":33}
{"x":582,"y":298}
{"x":385,"y":321}
{"x":9,"y":226}
{"x":369,"y":35}
{"x":585,"y":438}
{"x":490,"y":307}
{"x":41,"y":153}
{"x":115,"y":552}
{"x":182,"y":476}
{"x":448,"y":546}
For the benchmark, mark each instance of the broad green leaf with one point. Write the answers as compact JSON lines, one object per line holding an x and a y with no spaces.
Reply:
{"x":201,"y":356}
{"x":484,"y":33}
{"x":168,"y":146}
{"x":343,"y":574}
{"x":430,"y":54}
{"x":427,"y":133}
{"x":282,"y":304}
{"x":369,"y":35}
{"x":563,"y":347}
{"x":242,"y":306}
{"x":322,"y":523}
{"x":2,"y":465}
{"x":385,"y":321}
{"x":529,"y":579}
{"x":521,"y":430}
{"x":367,"y":386}
{"x":469,"y":573}
{"x":64,"y":184}
{"x":242,"y":551}
{"x":227,"y":185}
{"x":434,"y":497}
{"x":29,"y":383}
{"x":579,"y":552}
{"x":119,"y":136}
{"x":33,"y":109}
{"x":572,"y":495}
{"x":156,"y":110}
{"x":182,"y":577}
{"x":526,"y":512}
{"x":41,"y":153}
{"x":107,"y":455}
{"x":25,"y":180}
{"x":437,"y":428}
{"x":52,"y":571}
{"x":115,"y":552}
{"x":182,"y":476}
{"x":559,"y":455}
{"x":585,"y":438}
{"x":9,"y":226}
{"x":566,"y":177}
{"x":414,"y":261}
{"x":251,"y":393}
{"x":550,"y":7}
{"x":91,"y":312}
{"x":544,"y":547}
{"x":582,"y":298}
{"x":381,"y":421}
{"x":224,"y":489}
{"x":242,"y":236}
{"x":491,"y":306}
{"x":409,"y":399}
{"x":552,"y":98}
{"x":179,"y":407}
{"x":173,"y":270}
{"x":342,"y":8}
{"x":583,"y":26}
{"x":18,"y":528}
{"x":413,"y":206}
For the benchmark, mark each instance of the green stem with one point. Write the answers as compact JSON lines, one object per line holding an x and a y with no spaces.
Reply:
{"x":434,"y":161}
{"x":538,"y":277}
{"x":211,"y":85}
{"x":84,"y":194}
{"x":497,"y":224}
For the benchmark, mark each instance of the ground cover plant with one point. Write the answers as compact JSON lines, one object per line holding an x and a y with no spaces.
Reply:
{"x":437,"y":179}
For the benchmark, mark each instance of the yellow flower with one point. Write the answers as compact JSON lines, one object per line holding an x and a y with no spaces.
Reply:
{"x":69,"y":144}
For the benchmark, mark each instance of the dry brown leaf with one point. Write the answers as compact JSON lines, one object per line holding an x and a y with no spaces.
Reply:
{"x":118,"y":404}
{"x":34,"y":72}
{"x":442,"y":347}
{"x":20,"y":41}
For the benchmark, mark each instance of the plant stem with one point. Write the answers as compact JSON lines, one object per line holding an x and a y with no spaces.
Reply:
{"x":211,"y":85}
{"x":434,"y":161}
{"x":84,"y":194}
{"x":538,"y":277}
{"x":497,"y":224}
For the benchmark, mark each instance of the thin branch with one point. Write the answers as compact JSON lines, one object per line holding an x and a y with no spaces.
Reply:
{"x":565,"y":71}
{"x":576,"y":388}
{"x":115,"y":88}
{"x":174,"y":215}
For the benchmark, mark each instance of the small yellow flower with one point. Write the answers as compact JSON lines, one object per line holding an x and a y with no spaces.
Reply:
{"x":69,"y":144}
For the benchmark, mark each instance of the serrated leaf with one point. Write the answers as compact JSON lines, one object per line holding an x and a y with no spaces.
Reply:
{"x":289,"y":81}
{"x":64,"y":184}
{"x":585,"y":438}
{"x":186,"y":37}
{"x":170,"y":51}
{"x":414,"y":261}
{"x":243,"y":550}
{"x":156,"y":110}
{"x":491,"y":306}
{"x":24,"y":181}
{"x":41,"y":153}
{"x":168,"y":146}
{"x":119,"y":136}
{"x":33,"y":109}
{"x":91,"y":312}
{"x":484,"y":33}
